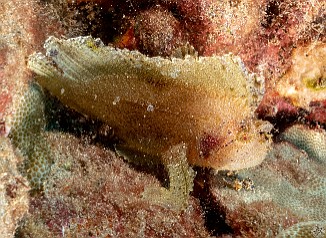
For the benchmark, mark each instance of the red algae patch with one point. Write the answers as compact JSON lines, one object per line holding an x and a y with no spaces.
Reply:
{"x":91,"y":191}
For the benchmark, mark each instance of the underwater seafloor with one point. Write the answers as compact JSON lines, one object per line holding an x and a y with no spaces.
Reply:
{"x":61,"y":172}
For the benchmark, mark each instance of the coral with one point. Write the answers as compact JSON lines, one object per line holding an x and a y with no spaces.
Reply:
{"x":156,"y":103}
{"x":92,"y":192}
{"x":26,"y":134}
{"x":14,"y":198}
{"x":288,"y":194}
{"x":313,"y":141}
{"x":305,"y":82}
{"x":304,"y":230}
{"x":23,"y":28}
{"x":157,"y":32}
{"x":300,"y":93}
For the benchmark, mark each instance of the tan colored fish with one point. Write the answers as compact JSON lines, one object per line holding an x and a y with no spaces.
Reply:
{"x":198,"y":108}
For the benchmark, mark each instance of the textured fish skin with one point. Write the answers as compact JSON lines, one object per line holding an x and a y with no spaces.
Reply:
{"x":156,"y":103}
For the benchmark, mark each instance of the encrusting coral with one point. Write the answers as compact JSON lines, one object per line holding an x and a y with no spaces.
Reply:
{"x":313,"y":141}
{"x":27,"y":135}
{"x":154,"y":104}
{"x":310,"y":229}
{"x":287,"y":199}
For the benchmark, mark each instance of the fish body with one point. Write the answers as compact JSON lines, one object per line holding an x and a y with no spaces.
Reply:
{"x":155,"y":103}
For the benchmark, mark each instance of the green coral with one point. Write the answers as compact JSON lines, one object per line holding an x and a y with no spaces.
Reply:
{"x":27,"y":134}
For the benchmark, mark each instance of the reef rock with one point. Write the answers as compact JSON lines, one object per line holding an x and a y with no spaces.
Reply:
{"x":14,"y":197}
{"x":305,"y":82}
{"x":301,"y":91}
{"x":286,"y":196}
{"x":90,"y":192}
{"x":23,"y":29}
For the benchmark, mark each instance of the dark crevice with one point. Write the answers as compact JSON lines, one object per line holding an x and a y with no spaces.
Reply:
{"x":214,"y":216}
{"x":271,"y":13}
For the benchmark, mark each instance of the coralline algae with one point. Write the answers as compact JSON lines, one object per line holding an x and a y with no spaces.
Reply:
{"x":14,"y":198}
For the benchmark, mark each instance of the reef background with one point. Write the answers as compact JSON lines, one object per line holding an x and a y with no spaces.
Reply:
{"x":92,"y":192}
